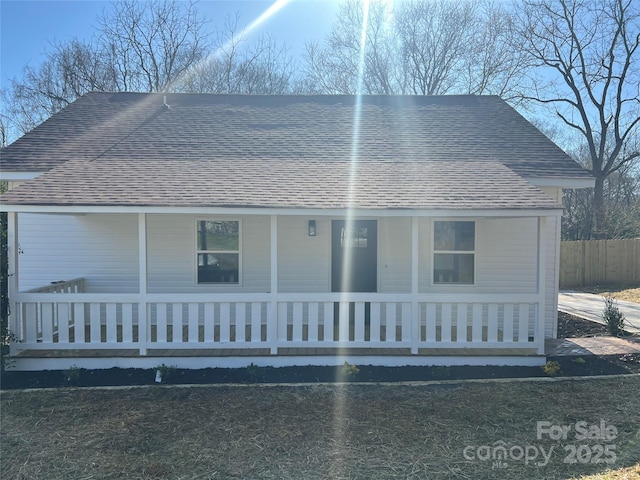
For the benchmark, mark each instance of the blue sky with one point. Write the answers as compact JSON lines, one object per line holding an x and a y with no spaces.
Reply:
{"x":28,"y":27}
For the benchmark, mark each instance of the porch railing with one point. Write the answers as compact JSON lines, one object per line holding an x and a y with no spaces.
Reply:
{"x":331,"y":320}
{"x":63,"y":286}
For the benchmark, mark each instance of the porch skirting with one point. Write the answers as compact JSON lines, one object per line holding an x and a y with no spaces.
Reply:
{"x":240,"y":357}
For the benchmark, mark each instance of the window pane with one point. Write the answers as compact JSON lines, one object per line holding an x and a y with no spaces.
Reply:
{"x":454,"y":236}
{"x":453,"y":268}
{"x":218,"y":268}
{"x":218,"y":235}
{"x":444,"y":236}
{"x":465,"y":236}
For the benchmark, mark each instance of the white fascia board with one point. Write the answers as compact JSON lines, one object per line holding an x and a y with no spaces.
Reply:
{"x":563,"y":182}
{"x":13,"y":176}
{"x":78,"y":210}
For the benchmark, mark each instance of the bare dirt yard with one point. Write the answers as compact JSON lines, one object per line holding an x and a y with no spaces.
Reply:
{"x":543,"y":429}
{"x":534,"y":429}
{"x":627,"y":293}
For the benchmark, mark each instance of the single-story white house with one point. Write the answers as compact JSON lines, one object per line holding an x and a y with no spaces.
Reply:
{"x":223,"y":230}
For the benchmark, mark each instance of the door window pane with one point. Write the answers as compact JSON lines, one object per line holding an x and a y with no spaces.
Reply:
{"x":354,"y":237}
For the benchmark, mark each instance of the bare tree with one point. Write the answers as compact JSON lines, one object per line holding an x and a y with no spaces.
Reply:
{"x":622,"y":202}
{"x":240,"y":65}
{"x":152,"y":43}
{"x":588,"y":72}
{"x":140,"y":46}
{"x":436,"y":37}
{"x":69,"y":70}
{"x":416,"y":47}
{"x":333,"y":66}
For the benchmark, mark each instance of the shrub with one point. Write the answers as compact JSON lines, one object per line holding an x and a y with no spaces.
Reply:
{"x":551,"y":368}
{"x":613,"y":317}
{"x":349,"y":371}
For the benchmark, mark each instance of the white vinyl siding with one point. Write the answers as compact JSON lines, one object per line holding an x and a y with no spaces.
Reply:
{"x":505,"y":256}
{"x":553,"y":265}
{"x":101,"y":248}
{"x":171,"y":244}
{"x":394,"y":255}
{"x":304,"y":262}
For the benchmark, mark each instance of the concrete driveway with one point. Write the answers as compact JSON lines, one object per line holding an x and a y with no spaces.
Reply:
{"x":590,"y":307}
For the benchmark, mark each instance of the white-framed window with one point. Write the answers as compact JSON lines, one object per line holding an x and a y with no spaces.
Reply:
{"x":454,"y":244}
{"x":218,"y":251}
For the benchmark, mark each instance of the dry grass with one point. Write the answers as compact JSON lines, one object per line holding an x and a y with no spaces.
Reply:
{"x":627,"y":293}
{"x":288,"y":432}
{"x":631,"y":473}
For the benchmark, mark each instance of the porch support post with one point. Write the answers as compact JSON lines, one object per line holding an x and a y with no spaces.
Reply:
{"x":12,"y":273}
{"x":415,"y":314}
{"x":143,"y":328}
{"x":272,"y":318}
{"x":542,"y":259}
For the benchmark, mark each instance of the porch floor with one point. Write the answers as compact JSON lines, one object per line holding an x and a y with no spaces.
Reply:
{"x":265,"y":352}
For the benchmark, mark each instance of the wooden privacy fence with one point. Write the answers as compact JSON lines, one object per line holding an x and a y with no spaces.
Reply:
{"x":593,"y":262}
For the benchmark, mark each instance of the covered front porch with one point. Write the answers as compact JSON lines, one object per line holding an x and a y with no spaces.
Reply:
{"x":68,"y":322}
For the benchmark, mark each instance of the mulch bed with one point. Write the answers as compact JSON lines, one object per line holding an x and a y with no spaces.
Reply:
{"x":568,"y":327}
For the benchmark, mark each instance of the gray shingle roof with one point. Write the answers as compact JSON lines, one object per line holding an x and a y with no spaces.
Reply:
{"x":281,"y":183}
{"x":286,"y":151}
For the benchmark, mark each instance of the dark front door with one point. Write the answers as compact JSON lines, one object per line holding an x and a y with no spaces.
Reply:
{"x":354,"y":255}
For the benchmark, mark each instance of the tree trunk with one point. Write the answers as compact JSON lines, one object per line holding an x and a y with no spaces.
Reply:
{"x":599,"y":209}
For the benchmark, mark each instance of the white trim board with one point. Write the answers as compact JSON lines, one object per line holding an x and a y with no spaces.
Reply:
{"x":468,"y":213}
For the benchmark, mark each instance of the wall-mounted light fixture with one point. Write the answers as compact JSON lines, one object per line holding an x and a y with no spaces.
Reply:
{"x":312,"y":228}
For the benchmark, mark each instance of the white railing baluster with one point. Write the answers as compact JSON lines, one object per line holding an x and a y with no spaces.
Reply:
{"x":359,"y":322}
{"x":112,"y":325}
{"x":127,"y":323}
{"x":476,"y":329}
{"x":431,"y":322}
{"x":405,"y":308}
{"x":79,"y":326}
{"x":328,"y":322}
{"x":161,"y":322}
{"x":283,"y":328}
{"x":461,"y":323}
{"x":523,"y":323}
{"x":445,"y":324}
{"x":343,"y":322}
{"x":507,"y":332}
{"x":176,"y":324}
{"x":95,"y":323}
{"x":390,"y":328}
{"x":63,"y":322}
{"x":256,"y":322}
{"x":492,"y":323}
{"x":193,"y":323}
{"x":312,"y":332}
{"x":209,"y":322}
{"x":374,"y":324}
{"x":47,"y":322}
{"x":241,"y":322}
{"x":297,"y":321}
{"x":225,"y":322}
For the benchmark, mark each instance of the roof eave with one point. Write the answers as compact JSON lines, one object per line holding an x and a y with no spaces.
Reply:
{"x":17,"y":176}
{"x":563,"y":182}
{"x":319,"y":212}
